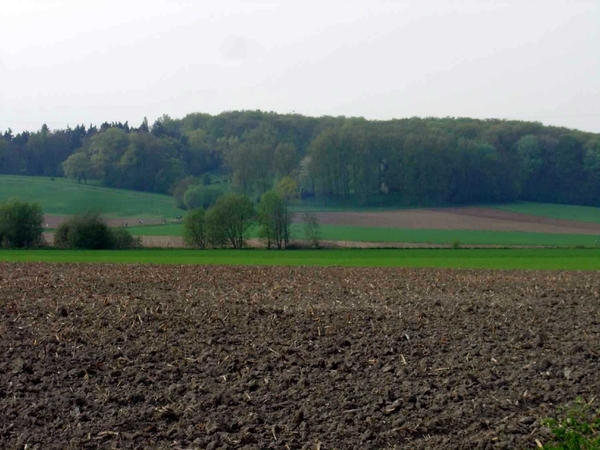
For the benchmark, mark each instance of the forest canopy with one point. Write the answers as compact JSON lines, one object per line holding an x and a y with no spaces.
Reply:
{"x":416,"y":161}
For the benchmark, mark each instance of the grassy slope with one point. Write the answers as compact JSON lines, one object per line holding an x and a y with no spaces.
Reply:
{"x":373,"y":234}
{"x":464,"y":259}
{"x":63,"y":196}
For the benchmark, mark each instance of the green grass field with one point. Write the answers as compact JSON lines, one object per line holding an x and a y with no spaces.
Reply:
{"x":66,"y":197}
{"x":464,"y":237}
{"x":387,"y":235}
{"x":571,"y":259}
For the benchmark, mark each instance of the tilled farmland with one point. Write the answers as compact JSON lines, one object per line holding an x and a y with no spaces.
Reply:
{"x":184,"y":357}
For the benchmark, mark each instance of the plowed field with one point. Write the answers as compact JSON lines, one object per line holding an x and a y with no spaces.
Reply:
{"x":467,"y":218}
{"x":173,"y":357}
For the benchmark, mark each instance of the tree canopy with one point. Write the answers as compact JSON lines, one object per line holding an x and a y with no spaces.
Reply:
{"x":416,"y":161}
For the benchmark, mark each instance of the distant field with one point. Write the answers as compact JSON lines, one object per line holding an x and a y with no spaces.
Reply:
{"x":66,"y":197}
{"x":388,"y":235}
{"x":571,"y":259}
{"x":555,"y":211}
{"x":172,"y":229}
{"x":463,"y":237}
{"x":566,"y":212}
{"x":534,"y":224}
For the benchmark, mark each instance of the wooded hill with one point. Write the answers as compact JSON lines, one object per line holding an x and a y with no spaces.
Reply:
{"x":413,"y":161}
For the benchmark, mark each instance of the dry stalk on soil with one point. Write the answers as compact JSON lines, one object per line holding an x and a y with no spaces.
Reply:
{"x":114,"y":356}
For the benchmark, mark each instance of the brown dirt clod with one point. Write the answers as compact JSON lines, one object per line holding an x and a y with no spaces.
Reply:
{"x":185,"y":357}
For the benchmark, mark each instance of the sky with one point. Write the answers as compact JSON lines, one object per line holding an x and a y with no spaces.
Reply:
{"x":67,"y":62}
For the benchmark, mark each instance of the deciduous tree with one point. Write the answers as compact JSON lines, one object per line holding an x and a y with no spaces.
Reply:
{"x":233,"y":214}
{"x":272,"y":218}
{"x":78,"y":167}
{"x":194,"y":229}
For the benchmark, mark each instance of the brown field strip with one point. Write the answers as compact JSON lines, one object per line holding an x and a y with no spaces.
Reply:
{"x":458,"y":219}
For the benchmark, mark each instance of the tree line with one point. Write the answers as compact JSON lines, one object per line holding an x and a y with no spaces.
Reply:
{"x":416,"y":161}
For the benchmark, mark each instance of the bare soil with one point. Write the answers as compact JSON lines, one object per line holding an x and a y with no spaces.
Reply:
{"x":184,"y":357}
{"x":468,"y":218}
{"x":53,"y":221}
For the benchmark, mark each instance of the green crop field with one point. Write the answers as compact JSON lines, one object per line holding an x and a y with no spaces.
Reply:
{"x":389,"y":235}
{"x":566,"y":212}
{"x":66,"y":197}
{"x":555,"y":259}
{"x":463,"y":237}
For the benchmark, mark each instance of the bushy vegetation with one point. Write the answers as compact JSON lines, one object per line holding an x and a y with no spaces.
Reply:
{"x":90,"y":231}
{"x":194,"y":228}
{"x":122,"y":239}
{"x":20,"y":224}
{"x":226,"y":223}
{"x":405,"y":162}
{"x":200,"y":196}
{"x":576,"y":428}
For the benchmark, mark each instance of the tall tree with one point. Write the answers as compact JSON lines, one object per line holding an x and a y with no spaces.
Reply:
{"x":194,"y":228}
{"x":285,"y":159}
{"x":233,"y":214}
{"x":287,"y":189}
{"x":272,"y":219}
{"x":78,"y":167}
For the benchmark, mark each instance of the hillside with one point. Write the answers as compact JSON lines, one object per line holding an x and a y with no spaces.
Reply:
{"x":65,"y":197}
{"x":415,"y":162}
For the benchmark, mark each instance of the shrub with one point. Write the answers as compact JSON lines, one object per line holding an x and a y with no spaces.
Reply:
{"x":123,"y":240}
{"x":90,"y":232}
{"x":21,"y":224}
{"x":194,"y":230}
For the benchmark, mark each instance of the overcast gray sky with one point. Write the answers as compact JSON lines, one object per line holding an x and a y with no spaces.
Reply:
{"x":65,"y":62}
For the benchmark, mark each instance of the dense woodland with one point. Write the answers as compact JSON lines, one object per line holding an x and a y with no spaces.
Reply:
{"x":398,"y":162}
